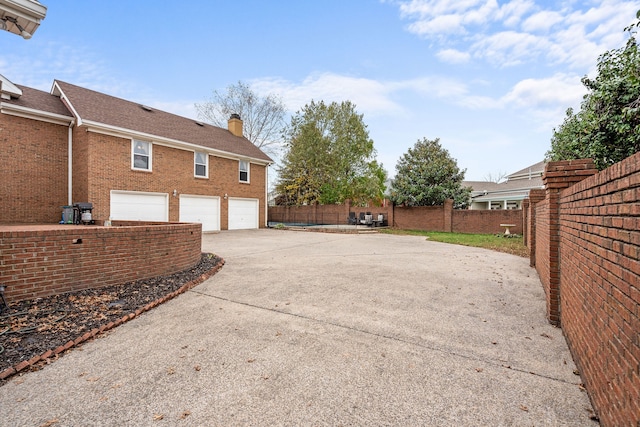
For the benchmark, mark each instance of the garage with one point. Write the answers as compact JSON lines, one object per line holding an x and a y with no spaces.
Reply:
{"x":139,"y":206}
{"x":243,"y":214}
{"x":202,"y":209}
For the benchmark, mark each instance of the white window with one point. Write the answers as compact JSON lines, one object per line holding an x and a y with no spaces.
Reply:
{"x":201,"y":161}
{"x":141,"y":155}
{"x":244,"y":171}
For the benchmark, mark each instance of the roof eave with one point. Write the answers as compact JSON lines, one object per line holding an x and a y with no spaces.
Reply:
{"x":168,"y":142}
{"x":30,"y":113}
{"x":26,"y":13}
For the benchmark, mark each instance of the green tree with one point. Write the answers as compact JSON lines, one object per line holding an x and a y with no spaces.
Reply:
{"x":262,"y":117}
{"x":329,"y":157}
{"x":607,"y":127}
{"x":427,"y":176}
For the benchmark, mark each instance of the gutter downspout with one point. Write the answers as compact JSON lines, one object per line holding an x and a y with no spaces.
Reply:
{"x":266,"y":196}
{"x":70,"y":165}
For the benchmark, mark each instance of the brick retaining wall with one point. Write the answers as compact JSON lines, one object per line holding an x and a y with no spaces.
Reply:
{"x":42,"y":262}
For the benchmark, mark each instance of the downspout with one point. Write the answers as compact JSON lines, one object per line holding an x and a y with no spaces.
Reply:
{"x":266,"y":196}
{"x":70,"y":165}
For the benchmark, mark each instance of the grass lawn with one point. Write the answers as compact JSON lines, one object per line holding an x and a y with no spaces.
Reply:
{"x":512,"y":245}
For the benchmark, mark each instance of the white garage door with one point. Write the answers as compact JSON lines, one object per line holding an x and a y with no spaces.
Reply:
{"x":243,"y":214}
{"x":205,"y":210}
{"x":139,"y":206}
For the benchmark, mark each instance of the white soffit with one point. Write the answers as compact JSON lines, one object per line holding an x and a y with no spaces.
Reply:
{"x":7,"y":89}
{"x":27,"y":13}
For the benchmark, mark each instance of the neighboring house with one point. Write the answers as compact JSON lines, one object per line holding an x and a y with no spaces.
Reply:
{"x":508,"y":194}
{"x":131,"y":161}
{"x":21,"y":17}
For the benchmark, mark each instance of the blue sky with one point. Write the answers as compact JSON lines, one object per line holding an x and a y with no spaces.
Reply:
{"x":490,"y":78}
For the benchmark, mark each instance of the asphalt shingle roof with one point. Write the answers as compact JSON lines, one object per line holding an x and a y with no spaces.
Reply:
{"x":112,"y":111}
{"x":517,"y":185}
{"x":533,"y":169}
{"x":39,"y":100}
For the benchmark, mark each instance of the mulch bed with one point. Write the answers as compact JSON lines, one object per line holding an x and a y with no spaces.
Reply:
{"x":34,"y":333}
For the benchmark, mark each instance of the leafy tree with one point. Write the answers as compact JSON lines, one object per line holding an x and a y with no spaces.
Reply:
{"x":262,"y":117}
{"x":607,"y":127}
{"x":329,"y":157}
{"x":427,"y":176}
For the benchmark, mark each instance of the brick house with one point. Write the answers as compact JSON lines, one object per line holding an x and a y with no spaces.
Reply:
{"x":131,"y":161}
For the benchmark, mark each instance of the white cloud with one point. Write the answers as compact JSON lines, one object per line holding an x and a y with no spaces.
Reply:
{"x":559,"y":89}
{"x":484,"y":13}
{"x":512,"y":13}
{"x":542,"y":21}
{"x":435,"y":87}
{"x":430,"y":8}
{"x":369,"y":96}
{"x":521,"y":31}
{"x":509,"y":48}
{"x":543,"y":99}
{"x":55,"y":61}
{"x":477,"y":102}
{"x":372,"y":97}
{"x":453,"y":56}
{"x":449,"y":24}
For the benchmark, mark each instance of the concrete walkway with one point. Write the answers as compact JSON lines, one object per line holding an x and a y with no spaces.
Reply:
{"x":323,"y":329}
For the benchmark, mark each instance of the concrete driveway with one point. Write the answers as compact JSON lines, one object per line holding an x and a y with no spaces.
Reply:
{"x":323,"y":329}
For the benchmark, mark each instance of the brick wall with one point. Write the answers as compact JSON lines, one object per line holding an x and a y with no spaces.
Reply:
{"x":62,"y":259}
{"x":313,"y":214}
{"x":600,"y":279}
{"x":557,"y":177}
{"x":598,"y":269}
{"x":109,"y":160}
{"x":486,"y":221}
{"x":33,"y":174}
{"x":543,"y":255}
{"x":326,"y":214}
{"x":429,"y":218}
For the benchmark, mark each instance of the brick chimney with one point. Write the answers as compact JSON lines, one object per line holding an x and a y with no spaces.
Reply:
{"x":235,"y":124}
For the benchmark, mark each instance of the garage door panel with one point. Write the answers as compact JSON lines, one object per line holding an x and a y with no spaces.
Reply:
{"x":139,"y":206}
{"x":202,"y":209}
{"x":243,"y":214}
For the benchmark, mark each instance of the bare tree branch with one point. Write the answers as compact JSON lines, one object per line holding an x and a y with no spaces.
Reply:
{"x":262,"y":117}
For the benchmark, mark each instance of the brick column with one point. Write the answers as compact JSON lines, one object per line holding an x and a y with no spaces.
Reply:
{"x":525,"y":221}
{"x":558,"y":176}
{"x":347,"y":210}
{"x":448,"y":214}
{"x":392,"y":211}
{"x":535,"y":196}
